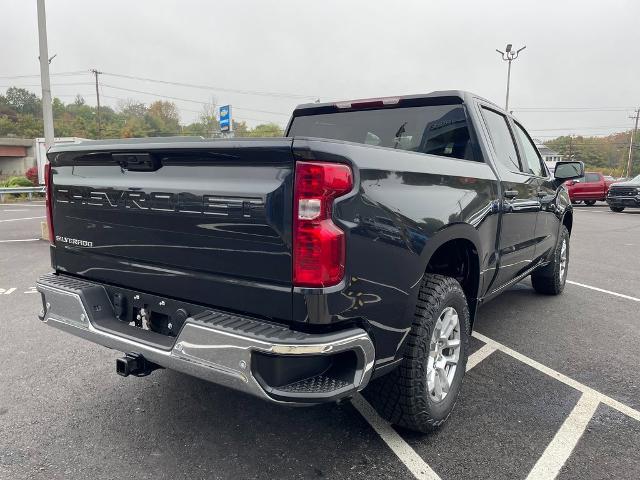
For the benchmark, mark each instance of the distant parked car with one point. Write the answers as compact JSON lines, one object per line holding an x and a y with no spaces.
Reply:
{"x":589,"y":189}
{"x":624,"y":194}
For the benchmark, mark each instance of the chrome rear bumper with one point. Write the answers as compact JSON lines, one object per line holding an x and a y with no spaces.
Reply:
{"x":219,"y":347}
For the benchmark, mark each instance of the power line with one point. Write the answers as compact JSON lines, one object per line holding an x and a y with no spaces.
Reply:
{"x":209,"y":87}
{"x":20,"y":85}
{"x":60,"y":74}
{"x":595,"y":136}
{"x":152,"y":94}
{"x":188,"y":99}
{"x":112,"y":97}
{"x":576,"y":128}
{"x":573,"y":108}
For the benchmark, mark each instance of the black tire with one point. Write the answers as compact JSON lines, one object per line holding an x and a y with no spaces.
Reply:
{"x":590,"y":203}
{"x":616,"y":209}
{"x":551,"y":279}
{"x":402,"y":396}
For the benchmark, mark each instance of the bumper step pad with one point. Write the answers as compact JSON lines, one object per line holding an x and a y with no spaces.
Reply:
{"x":317,"y":384}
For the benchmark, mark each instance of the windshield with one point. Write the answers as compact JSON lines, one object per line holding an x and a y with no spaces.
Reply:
{"x":435,"y":129}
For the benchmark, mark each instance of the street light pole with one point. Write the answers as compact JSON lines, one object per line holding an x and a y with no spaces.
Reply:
{"x":47,"y":110}
{"x":509,"y":55}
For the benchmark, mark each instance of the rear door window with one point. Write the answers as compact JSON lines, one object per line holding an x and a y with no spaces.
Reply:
{"x":501,"y":139}
{"x":533,"y":162}
{"x":431,"y":129}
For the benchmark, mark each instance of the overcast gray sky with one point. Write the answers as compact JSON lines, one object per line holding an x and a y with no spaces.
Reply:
{"x":579,"y":53}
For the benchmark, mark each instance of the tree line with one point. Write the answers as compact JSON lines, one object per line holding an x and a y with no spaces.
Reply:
{"x":608,"y":154}
{"x":21,"y":116}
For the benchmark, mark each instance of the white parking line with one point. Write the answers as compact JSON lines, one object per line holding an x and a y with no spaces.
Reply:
{"x":565,"y":440}
{"x":615,"y":294}
{"x":15,"y":209}
{"x":20,"y":240}
{"x":22,"y":204}
{"x":601,"y":397}
{"x":407,"y":455}
{"x":479,"y":355}
{"x":16,"y":219}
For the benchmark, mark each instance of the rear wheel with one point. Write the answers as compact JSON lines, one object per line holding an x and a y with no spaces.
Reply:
{"x":551,"y":279}
{"x":616,"y":209}
{"x":590,"y":203}
{"x":422,"y":391}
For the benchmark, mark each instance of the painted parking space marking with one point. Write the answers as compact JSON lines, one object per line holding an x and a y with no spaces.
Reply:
{"x":407,"y":455}
{"x":20,"y":240}
{"x":602,"y":290}
{"x":621,"y":407}
{"x":476,"y":357}
{"x":22,"y":205}
{"x":565,"y":440}
{"x":17,"y":219}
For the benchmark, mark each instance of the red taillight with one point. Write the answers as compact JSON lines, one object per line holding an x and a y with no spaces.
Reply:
{"x":48,"y":183}
{"x":318,"y":244}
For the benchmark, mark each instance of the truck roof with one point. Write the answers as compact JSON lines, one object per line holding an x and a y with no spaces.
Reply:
{"x":460,"y":96}
{"x":145,"y":143}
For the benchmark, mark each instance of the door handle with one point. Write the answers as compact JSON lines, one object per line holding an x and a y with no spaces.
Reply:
{"x":510,"y":194}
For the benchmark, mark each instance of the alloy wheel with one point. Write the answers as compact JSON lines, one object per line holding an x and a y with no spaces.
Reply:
{"x":444,"y":354}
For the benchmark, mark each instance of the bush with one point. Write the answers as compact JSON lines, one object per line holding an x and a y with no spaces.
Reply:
{"x":32,"y":175}
{"x":18,"y":182}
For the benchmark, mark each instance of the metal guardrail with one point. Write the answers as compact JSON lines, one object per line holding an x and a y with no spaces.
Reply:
{"x":28,"y":190}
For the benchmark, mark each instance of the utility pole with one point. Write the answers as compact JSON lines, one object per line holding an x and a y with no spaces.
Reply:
{"x":570,"y":147}
{"x":96,"y":73}
{"x":633,"y":135}
{"x":509,"y":55}
{"x":47,"y":109}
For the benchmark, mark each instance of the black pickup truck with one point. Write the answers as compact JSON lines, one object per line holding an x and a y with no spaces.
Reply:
{"x":624,"y":194}
{"x":355,"y":252}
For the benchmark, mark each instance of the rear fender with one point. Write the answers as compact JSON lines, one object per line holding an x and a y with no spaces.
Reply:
{"x":459,"y":231}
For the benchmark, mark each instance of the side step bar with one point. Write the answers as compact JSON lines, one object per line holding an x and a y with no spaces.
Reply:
{"x":263,"y":359}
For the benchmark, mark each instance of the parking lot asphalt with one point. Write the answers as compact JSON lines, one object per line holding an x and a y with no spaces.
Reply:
{"x":555,"y":390}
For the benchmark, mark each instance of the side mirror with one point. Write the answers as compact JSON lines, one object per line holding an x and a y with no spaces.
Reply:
{"x":568,"y":170}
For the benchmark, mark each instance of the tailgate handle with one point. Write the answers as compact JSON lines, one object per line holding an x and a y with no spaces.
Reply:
{"x":136,"y":162}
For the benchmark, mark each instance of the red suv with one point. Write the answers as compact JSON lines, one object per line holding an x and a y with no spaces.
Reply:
{"x":589,"y":189}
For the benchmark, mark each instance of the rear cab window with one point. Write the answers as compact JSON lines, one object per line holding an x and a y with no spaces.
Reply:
{"x":431,"y":129}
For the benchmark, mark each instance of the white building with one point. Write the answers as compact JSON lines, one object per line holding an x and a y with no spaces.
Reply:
{"x":550,"y":157}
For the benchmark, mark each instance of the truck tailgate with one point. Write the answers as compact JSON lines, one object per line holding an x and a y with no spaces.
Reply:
{"x":190,"y":220}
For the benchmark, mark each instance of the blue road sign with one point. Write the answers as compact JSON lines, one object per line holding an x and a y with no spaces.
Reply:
{"x":225,"y":118}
